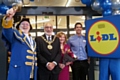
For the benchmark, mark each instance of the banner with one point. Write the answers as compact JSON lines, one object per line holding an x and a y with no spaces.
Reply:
{"x":103,"y":37}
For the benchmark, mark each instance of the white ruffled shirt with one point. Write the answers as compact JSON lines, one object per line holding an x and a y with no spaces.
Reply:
{"x":31,"y":44}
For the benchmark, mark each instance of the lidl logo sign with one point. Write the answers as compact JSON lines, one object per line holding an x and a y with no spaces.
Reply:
{"x":103,"y":37}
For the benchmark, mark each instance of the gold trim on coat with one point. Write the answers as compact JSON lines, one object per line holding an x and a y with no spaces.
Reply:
{"x":30,"y":63}
{"x":7,"y":23}
{"x":18,"y":37}
{"x":36,"y":64}
{"x":31,"y":57}
{"x":20,"y":32}
{"x":29,"y":44}
{"x":31,"y":52}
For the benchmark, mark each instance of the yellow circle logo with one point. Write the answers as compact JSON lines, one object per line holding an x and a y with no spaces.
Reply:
{"x":103,"y":37}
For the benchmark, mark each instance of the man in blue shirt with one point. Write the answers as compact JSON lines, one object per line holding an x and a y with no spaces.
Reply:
{"x":77,"y":43}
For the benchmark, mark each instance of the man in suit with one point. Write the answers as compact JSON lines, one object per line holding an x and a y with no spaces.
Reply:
{"x":49,"y":54}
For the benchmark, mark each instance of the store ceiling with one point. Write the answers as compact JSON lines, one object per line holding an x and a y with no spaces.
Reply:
{"x":53,"y":3}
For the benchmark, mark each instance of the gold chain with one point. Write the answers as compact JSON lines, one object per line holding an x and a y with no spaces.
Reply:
{"x":49,"y":42}
{"x":49,"y":46}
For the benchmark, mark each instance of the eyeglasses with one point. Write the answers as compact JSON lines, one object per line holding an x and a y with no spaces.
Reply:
{"x":48,"y":27}
{"x":24,"y":24}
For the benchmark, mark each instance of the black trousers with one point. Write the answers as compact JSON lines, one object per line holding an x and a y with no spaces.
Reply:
{"x":79,"y":69}
{"x":31,"y":79}
{"x":47,"y":76}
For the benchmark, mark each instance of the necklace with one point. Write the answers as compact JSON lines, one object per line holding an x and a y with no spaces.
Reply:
{"x":49,"y":46}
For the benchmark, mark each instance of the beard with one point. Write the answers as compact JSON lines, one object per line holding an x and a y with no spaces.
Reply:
{"x":48,"y":33}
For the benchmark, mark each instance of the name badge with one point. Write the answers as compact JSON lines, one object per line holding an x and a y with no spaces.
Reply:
{"x":84,"y":40}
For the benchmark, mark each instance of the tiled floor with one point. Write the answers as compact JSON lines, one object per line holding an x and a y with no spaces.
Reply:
{"x":96,"y":73}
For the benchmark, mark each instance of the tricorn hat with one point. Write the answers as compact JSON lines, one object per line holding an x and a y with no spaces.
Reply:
{"x":24,"y":19}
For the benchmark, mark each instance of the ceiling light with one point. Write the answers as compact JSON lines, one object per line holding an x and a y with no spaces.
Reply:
{"x":68,"y":3}
{"x":40,"y":21}
{"x":82,"y":17}
{"x":59,"y":21}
